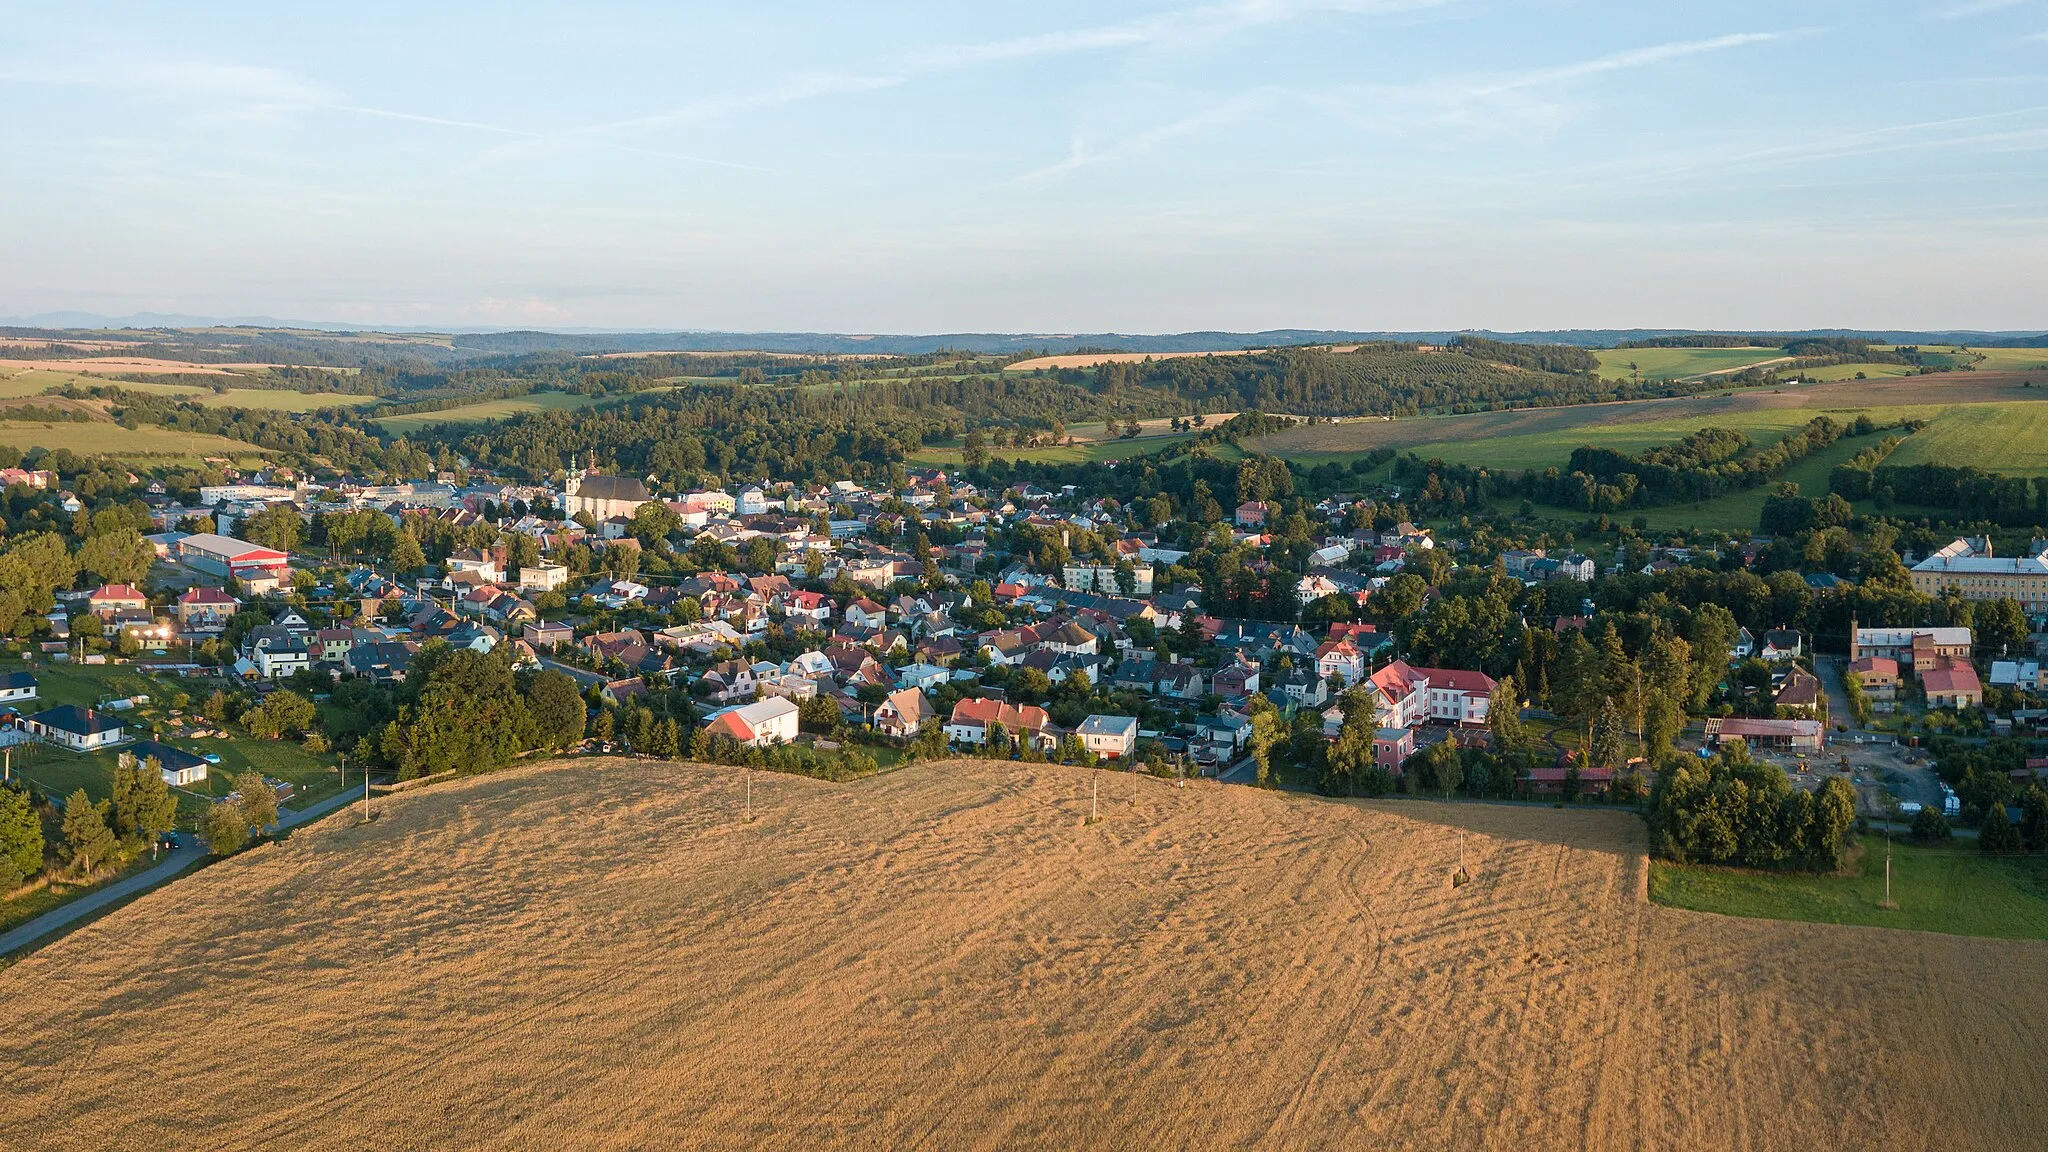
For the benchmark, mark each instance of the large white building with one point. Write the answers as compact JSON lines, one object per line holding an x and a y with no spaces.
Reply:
{"x":1968,"y":569}
{"x":603,"y":496}
{"x":1404,"y":696}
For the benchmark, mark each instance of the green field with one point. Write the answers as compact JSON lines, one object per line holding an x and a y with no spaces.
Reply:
{"x":106,"y":439}
{"x":486,"y":410}
{"x":268,"y":399}
{"x":1679,"y":363}
{"x":1089,"y":446}
{"x":1950,"y":889}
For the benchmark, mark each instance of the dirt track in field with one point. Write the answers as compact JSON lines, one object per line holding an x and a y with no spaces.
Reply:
{"x":603,"y":956}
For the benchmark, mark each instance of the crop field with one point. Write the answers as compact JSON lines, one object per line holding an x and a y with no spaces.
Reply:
{"x":1951,"y":888}
{"x":1680,"y":363}
{"x":17,"y":383}
{"x":485,"y":410}
{"x":1091,"y":359}
{"x":107,"y":439}
{"x":1092,"y":442}
{"x":1539,"y":437}
{"x":604,"y":955}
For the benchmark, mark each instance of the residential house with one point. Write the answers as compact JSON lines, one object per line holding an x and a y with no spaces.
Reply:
{"x":1341,"y":658}
{"x":1235,"y":680}
{"x":204,"y":611}
{"x":1949,"y":683}
{"x":1391,"y":748}
{"x":730,"y":680}
{"x":787,"y":685}
{"x":1782,"y":644}
{"x":764,"y":722}
{"x":108,"y":599}
{"x":542,"y":577}
{"x":1109,"y":737}
{"x":384,"y":661}
{"x":903,"y":712}
{"x":1302,"y":688}
{"x":79,"y":729}
{"x":545,"y":634}
{"x":1909,"y":646}
{"x":1219,"y":738}
{"x":273,"y":652}
{"x":17,"y":687}
{"x":1879,"y":676}
{"x":1801,"y":694}
{"x":865,"y":613}
{"x":177,"y":767}
{"x":1181,"y":682}
{"x":972,"y":718}
{"x":1404,"y":696}
{"x":926,"y":676}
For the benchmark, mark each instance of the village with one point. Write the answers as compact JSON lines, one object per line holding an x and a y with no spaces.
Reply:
{"x":1025,"y":622}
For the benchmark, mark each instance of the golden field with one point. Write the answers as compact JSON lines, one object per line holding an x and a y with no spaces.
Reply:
{"x":602,"y":955}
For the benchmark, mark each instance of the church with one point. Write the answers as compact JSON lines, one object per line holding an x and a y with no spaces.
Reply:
{"x":603,"y":496}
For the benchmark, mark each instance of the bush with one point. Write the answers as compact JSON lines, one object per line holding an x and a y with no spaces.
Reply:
{"x":1930,"y":825}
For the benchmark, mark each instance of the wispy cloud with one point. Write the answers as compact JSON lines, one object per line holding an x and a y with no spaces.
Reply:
{"x":1976,"y":8}
{"x":1631,"y":58}
{"x":1183,"y":25}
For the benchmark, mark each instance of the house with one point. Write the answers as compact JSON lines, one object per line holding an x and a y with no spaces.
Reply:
{"x":179,"y":768}
{"x":1879,"y":676}
{"x":1801,"y":693}
{"x":812,"y":606}
{"x":16,"y":687}
{"x":543,"y":634}
{"x":483,"y":562}
{"x":865,"y":613}
{"x":1744,"y":646}
{"x":1219,"y":738}
{"x":756,"y":725}
{"x":109,"y":599}
{"x":274,"y":652}
{"x":1302,"y":688}
{"x":332,"y":645}
{"x":1181,"y":682}
{"x":902,"y":713}
{"x":617,"y":692}
{"x":1950,"y":683}
{"x":384,"y":661}
{"x":1236,"y":680}
{"x":1109,"y":737}
{"x":1781,"y":644}
{"x":1340,"y":658}
{"x":1391,"y":748}
{"x":1251,"y":514}
{"x":79,"y":729}
{"x":730,"y":680}
{"x":202,"y":611}
{"x":927,"y":676}
{"x":788,"y":685}
{"x":1135,"y":676}
{"x":542,"y":577}
{"x":972,"y":718}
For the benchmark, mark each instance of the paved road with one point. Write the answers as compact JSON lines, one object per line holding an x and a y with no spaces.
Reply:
{"x":188,"y":853}
{"x":584,"y":677}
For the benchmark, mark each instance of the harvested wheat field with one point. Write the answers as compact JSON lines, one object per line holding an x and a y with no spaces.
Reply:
{"x":601,"y":955}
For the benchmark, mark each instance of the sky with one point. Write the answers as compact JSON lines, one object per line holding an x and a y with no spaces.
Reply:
{"x":1047,"y":166}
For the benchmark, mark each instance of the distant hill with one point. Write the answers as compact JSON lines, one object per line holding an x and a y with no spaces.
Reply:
{"x":469,"y":342}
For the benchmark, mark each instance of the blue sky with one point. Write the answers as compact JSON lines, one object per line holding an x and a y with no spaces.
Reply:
{"x":1045,"y":166}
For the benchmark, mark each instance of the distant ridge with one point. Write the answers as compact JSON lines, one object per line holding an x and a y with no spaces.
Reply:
{"x":502,"y":341}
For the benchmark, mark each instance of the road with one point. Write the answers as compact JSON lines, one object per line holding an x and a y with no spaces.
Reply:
{"x":188,"y":853}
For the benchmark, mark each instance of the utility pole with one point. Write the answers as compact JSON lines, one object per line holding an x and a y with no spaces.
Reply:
{"x":366,"y":795}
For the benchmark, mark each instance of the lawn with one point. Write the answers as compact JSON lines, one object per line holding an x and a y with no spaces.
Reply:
{"x":56,"y":771}
{"x":486,"y":410}
{"x":1740,"y":511}
{"x":106,"y":439}
{"x":1679,"y":363}
{"x":1091,"y":443}
{"x":1950,"y":889}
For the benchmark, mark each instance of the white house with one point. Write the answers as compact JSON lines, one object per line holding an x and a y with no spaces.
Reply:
{"x":543,"y":577}
{"x":179,"y":768}
{"x":79,"y":729}
{"x":1110,"y":737}
{"x":753,"y":502}
{"x":764,"y":722}
{"x":16,"y":687}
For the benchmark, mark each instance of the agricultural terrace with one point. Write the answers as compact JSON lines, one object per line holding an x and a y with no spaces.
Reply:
{"x":953,"y":948}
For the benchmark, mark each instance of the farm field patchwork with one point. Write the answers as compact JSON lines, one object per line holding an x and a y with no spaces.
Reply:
{"x":950,"y":955}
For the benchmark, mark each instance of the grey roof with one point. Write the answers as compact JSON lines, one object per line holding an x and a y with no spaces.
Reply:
{"x":612,"y":488}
